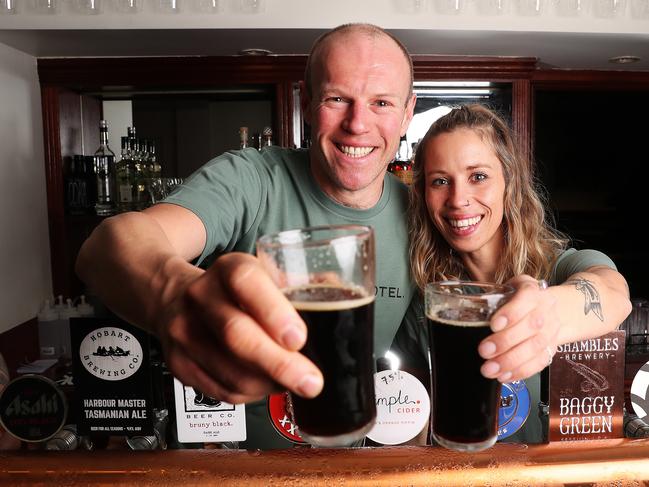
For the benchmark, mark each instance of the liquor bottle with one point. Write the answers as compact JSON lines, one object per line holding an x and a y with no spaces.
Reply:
{"x":76,"y":200}
{"x":91,"y":185}
{"x":148,"y":172}
{"x":126,"y":178}
{"x":267,"y":137}
{"x":104,"y":160}
{"x":401,"y":167}
{"x":141,"y":173}
{"x":256,"y":141}
{"x":156,"y":167}
{"x":243,"y":137}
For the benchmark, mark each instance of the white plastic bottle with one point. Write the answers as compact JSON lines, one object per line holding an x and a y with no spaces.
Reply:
{"x":65,"y":342}
{"x":48,"y":319}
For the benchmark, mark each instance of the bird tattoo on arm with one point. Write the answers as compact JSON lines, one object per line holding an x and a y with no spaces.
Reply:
{"x":591,"y":296}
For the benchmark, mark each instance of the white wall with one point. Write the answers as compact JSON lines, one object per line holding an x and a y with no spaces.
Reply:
{"x":25,"y":276}
{"x":119,"y":115}
{"x":321,"y":14}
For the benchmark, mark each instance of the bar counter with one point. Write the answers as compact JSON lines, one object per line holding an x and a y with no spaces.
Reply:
{"x":594,"y":463}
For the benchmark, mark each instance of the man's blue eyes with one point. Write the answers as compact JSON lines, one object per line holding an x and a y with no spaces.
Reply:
{"x":338,"y":99}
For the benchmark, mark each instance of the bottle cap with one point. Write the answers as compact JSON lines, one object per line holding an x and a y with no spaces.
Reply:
{"x":85,"y":309}
{"x":59,"y":305}
{"x":69,"y":311}
{"x":47,"y":312}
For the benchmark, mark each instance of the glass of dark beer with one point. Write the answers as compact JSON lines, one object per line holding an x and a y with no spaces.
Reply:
{"x":328,"y":274}
{"x":465,"y":403}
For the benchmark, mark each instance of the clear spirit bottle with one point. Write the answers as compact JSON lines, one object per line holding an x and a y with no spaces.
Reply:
{"x":156,"y":167}
{"x":139,"y":160}
{"x":267,"y":135}
{"x":126,"y":178}
{"x":243,"y":137}
{"x":402,"y":166}
{"x":147,"y":174}
{"x":104,"y":161}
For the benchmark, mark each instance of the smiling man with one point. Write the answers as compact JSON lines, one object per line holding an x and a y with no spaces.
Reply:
{"x":359,"y":100}
{"x":184,"y":268}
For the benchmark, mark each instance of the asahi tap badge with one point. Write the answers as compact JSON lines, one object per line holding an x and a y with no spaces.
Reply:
{"x":32,"y":408}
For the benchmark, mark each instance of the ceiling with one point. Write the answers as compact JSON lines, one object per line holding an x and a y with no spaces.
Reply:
{"x":567,"y":50}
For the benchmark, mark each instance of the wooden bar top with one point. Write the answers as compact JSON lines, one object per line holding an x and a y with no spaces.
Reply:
{"x":619,"y":462}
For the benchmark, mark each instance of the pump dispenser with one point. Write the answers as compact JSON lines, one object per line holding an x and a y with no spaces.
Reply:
{"x":84,"y":308}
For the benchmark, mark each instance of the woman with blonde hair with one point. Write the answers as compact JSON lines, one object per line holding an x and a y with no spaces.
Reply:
{"x":476,"y":213}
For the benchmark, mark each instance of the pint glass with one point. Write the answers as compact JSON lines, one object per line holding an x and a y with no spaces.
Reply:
{"x":328,"y":274}
{"x":465,"y":403}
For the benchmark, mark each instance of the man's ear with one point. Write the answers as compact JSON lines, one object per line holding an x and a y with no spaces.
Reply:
{"x":305,"y":103}
{"x":408,"y":114}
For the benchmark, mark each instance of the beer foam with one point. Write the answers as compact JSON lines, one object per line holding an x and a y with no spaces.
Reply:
{"x":455,"y":317}
{"x":329,"y":305}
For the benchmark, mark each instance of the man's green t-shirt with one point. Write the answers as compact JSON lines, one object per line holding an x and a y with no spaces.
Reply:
{"x":242,"y":195}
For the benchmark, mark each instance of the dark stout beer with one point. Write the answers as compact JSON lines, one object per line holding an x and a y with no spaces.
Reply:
{"x":339,"y":341}
{"x":465,"y":403}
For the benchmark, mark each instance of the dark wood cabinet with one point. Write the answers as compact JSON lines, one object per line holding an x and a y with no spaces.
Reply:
{"x":73,"y":88}
{"x":72,"y":94}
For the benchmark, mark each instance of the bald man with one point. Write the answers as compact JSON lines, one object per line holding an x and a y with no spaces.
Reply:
{"x":184,"y":269}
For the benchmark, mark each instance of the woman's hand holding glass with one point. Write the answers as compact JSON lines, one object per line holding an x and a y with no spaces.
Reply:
{"x":525,"y":332}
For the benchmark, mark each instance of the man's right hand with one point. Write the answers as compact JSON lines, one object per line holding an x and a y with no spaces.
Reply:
{"x":228,"y":331}
{"x":232,"y":334}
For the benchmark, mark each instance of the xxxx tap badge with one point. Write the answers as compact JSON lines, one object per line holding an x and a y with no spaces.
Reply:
{"x":280,"y":416}
{"x":514,"y":408}
{"x":114,"y":391}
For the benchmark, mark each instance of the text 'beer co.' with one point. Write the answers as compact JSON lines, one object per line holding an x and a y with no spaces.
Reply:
{"x":587,"y":389}
{"x":204,"y":419}
{"x":32,"y":408}
{"x":113,"y":377}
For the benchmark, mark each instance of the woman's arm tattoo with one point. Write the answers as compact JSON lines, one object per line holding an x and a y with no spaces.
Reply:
{"x":592,"y":300}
